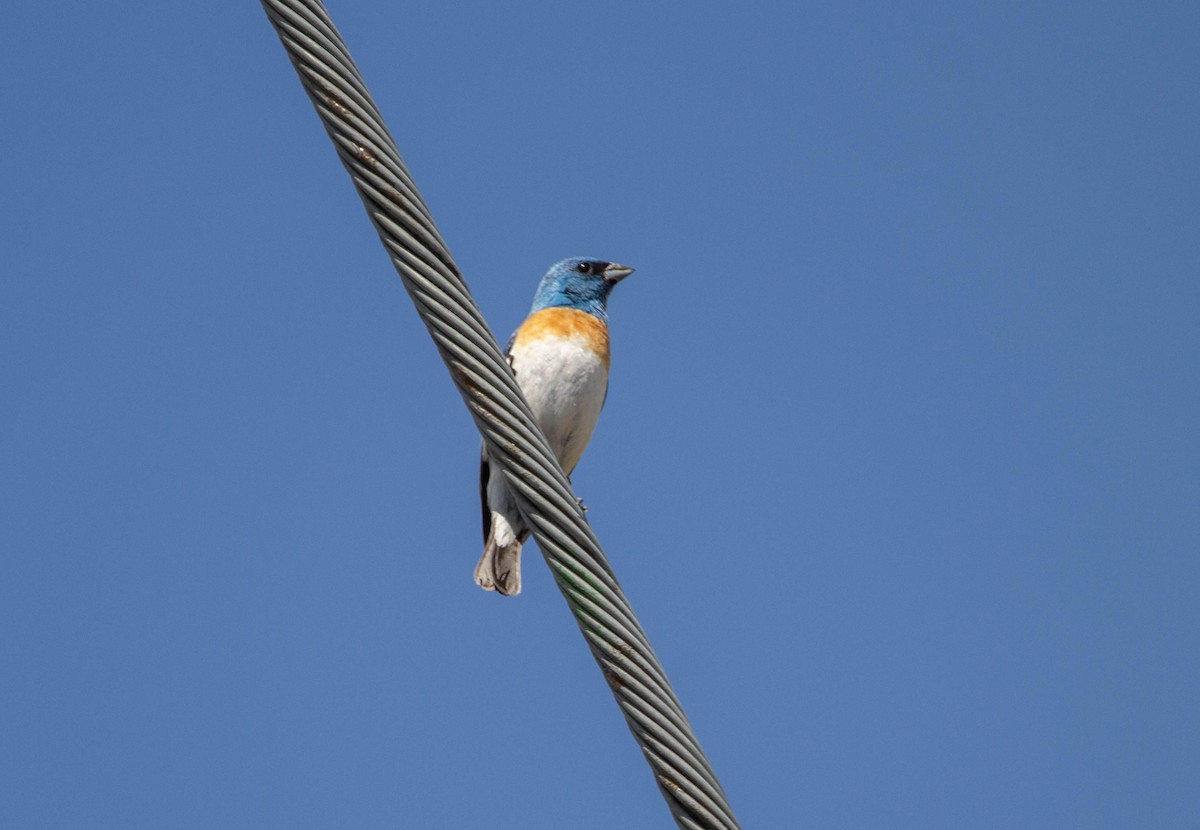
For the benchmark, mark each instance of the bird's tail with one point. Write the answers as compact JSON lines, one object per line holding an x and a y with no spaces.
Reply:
{"x":499,"y":568}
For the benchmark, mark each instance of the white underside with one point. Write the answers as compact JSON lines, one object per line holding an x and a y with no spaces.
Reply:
{"x":564,"y":382}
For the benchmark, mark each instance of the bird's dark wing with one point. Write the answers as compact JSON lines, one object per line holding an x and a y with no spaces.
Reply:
{"x":484,"y":471}
{"x":484,"y":467}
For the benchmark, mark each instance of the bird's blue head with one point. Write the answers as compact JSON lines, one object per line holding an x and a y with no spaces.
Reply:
{"x":580,"y":283}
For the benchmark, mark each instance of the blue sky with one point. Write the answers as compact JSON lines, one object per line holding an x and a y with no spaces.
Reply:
{"x":900,"y":463}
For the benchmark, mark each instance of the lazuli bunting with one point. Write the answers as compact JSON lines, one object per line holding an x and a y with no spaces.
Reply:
{"x":560,"y":357}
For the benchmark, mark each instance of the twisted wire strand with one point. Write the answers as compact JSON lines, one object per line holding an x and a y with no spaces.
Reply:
{"x":483,"y":378}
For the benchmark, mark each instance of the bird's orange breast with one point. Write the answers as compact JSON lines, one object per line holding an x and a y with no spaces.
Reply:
{"x":568,"y":324}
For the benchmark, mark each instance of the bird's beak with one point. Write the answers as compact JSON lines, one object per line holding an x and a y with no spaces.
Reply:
{"x":614,"y":273}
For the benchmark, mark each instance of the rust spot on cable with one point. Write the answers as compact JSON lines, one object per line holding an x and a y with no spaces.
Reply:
{"x":626,"y":650}
{"x":669,"y":784}
{"x":464,"y":379}
{"x":611,"y":678}
{"x":365,"y":155}
{"x":335,"y":101}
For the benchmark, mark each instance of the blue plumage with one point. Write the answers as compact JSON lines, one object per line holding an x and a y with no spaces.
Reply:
{"x":580,"y":283}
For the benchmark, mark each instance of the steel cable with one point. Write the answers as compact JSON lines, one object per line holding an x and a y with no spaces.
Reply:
{"x":478,"y":369}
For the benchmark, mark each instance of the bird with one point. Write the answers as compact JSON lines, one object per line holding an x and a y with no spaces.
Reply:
{"x":560,"y":357}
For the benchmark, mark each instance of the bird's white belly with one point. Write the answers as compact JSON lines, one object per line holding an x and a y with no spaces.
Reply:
{"x":565,"y":383}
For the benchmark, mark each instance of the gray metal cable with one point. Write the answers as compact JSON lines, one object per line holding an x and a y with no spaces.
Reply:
{"x":483,"y":378}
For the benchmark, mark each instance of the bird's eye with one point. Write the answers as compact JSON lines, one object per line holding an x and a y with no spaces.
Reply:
{"x":584,"y":267}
